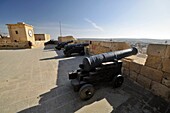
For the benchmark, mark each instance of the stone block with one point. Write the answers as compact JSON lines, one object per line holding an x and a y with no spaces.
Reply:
{"x":135,"y":67}
{"x":106,"y":44}
{"x":156,"y":50}
{"x":166,"y":79}
{"x":166,"y":82}
{"x":123,"y":45}
{"x":154,"y":61}
{"x":166,"y":65}
{"x":146,"y":82}
{"x":167,"y":53}
{"x":126,"y":63}
{"x":160,"y":90}
{"x":151,"y":73}
{"x":114,"y":46}
{"x":133,"y":75}
{"x":126,"y":72}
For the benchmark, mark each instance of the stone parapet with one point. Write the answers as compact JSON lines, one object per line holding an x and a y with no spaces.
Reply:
{"x":144,"y":81}
{"x":161,"y":90}
{"x":152,"y":71}
{"x":155,"y":72}
{"x":156,"y":50}
{"x":15,"y":45}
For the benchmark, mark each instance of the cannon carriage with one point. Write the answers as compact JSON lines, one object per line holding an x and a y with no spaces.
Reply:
{"x":62,"y":44}
{"x":75,"y":48}
{"x":105,"y":67}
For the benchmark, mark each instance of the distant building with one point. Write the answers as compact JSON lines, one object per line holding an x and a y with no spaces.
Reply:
{"x":22,"y":36}
{"x":66,"y":38}
{"x":42,"y":37}
{"x":21,"y":32}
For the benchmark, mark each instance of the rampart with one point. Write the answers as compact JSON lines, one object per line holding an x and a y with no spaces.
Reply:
{"x":7,"y":44}
{"x":151,"y":71}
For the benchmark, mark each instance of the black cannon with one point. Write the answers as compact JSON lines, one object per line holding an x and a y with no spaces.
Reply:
{"x":75,"y":48}
{"x":62,"y":44}
{"x":105,"y":67}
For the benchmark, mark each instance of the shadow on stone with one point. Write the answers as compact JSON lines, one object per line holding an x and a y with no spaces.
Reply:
{"x":62,"y":98}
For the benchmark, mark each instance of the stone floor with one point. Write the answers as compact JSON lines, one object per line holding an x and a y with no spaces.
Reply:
{"x":36,"y":81}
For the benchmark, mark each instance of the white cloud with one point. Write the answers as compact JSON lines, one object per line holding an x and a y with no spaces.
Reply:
{"x":94,"y":24}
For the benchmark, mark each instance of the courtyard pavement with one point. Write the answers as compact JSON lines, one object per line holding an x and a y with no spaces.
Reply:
{"x":36,"y":81}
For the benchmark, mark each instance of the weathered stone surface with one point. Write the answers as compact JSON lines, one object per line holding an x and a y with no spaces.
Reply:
{"x":161,"y":90}
{"x":126,"y":63}
{"x":166,"y":65}
{"x":151,"y":73}
{"x":100,"y":49}
{"x":146,"y":82}
{"x":65,"y":38}
{"x":135,"y":67}
{"x":123,"y":45}
{"x":167,"y":53}
{"x":166,"y":82}
{"x":106,"y":44}
{"x":133,"y":75}
{"x":126,"y":72}
{"x":153,"y":61}
{"x":156,"y":50}
{"x":166,"y":79}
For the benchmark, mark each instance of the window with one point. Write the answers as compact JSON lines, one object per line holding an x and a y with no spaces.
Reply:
{"x":16,"y":32}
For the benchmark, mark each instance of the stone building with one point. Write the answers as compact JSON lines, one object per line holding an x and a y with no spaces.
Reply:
{"x":21,"y":32}
{"x":66,"y":38}
{"x":22,"y":36}
{"x":42,"y":37}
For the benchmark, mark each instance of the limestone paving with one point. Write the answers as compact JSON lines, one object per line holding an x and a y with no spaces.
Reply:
{"x":36,"y":81}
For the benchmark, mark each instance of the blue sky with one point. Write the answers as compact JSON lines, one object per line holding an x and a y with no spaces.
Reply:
{"x":91,"y":18}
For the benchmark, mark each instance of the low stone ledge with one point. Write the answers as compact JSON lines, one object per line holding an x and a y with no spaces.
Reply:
{"x":126,"y":72}
{"x":133,"y":75}
{"x":126,"y":63}
{"x":166,"y":65}
{"x":156,"y":50}
{"x":167,"y":53}
{"x":160,"y":90}
{"x":151,"y":73}
{"x":135,"y":67}
{"x":166,"y":79}
{"x":146,"y":82}
{"x":154,"y":62}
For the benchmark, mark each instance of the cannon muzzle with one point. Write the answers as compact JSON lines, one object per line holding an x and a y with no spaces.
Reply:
{"x":91,"y":62}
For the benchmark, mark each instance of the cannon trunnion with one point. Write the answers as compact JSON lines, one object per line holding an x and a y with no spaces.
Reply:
{"x":104,"y":67}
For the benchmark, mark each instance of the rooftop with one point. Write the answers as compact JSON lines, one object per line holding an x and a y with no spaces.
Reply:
{"x":37,"y":81}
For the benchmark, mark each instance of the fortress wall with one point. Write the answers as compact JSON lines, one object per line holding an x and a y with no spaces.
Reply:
{"x":154,"y":74}
{"x":151,"y":72}
{"x":7,"y":44}
{"x":66,"y":38}
{"x":97,"y":47}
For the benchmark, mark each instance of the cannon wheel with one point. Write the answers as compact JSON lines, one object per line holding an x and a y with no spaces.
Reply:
{"x":117,"y":81}
{"x":67,"y":54}
{"x":86,"y":91}
{"x":82,"y":53}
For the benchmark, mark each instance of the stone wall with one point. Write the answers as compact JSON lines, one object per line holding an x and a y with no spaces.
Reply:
{"x":66,"y":38}
{"x":154,"y":74}
{"x":97,"y":47}
{"x":14,"y":45}
{"x":152,"y":71}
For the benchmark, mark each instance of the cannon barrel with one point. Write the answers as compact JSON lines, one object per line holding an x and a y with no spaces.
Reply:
{"x":62,"y":44}
{"x":91,"y":62}
{"x":77,"y":45}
